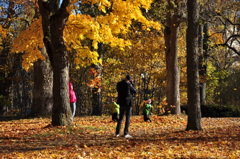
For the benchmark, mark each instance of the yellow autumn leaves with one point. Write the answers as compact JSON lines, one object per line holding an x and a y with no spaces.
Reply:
{"x":2,"y":31}
{"x":103,"y":29}
{"x":3,"y":34}
{"x":79,"y":27}
{"x":30,"y":42}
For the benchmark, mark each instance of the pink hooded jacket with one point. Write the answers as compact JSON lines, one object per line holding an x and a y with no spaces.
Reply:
{"x":72,"y":94}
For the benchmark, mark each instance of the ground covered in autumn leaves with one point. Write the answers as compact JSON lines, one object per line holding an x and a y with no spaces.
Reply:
{"x":93,"y":137}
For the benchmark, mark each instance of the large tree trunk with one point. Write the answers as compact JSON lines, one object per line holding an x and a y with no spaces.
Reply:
{"x":204,"y":67}
{"x":194,"y":111}
{"x":61,"y":106}
{"x":5,"y":76}
{"x":172,"y":68}
{"x":203,"y":59}
{"x":43,"y":88}
{"x":201,"y":66}
{"x":54,"y":20}
{"x":96,"y":102}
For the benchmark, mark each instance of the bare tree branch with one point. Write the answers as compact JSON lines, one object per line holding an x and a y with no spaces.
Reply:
{"x":227,"y":45}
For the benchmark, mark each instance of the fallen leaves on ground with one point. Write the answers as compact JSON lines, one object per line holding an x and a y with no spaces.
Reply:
{"x":94,"y":137}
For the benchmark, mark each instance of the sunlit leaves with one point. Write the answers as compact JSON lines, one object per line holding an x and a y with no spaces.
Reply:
{"x":30,"y":42}
{"x":216,"y":38}
{"x":79,"y":28}
{"x":84,"y":57}
{"x":104,"y":28}
{"x":3,"y":32}
{"x":164,"y":137}
{"x":146,"y":54}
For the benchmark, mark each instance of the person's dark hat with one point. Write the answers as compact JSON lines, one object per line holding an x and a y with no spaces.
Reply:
{"x":128,"y":77}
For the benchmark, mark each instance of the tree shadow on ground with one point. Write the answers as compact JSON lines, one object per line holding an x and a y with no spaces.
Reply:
{"x":35,"y":142}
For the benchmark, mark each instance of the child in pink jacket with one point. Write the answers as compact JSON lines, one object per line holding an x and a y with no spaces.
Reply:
{"x":73,"y":99}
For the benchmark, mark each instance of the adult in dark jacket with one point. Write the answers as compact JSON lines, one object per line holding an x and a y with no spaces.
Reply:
{"x":126,"y":90}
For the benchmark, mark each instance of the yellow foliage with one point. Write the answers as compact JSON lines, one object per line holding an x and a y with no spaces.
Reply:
{"x":30,"y":42}
{"x":216,"y":38}
{"x":85,"y":56}
{"x":79,"y":27}
{"x":103,"y":29}
{"x":3,"y":32}
{"x":146,"y":54}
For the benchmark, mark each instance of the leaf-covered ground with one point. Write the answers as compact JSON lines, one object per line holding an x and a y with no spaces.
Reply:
{"x":94,"y":137}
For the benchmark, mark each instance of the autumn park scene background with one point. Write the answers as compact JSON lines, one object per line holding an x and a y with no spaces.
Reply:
{"x":181,"y":54}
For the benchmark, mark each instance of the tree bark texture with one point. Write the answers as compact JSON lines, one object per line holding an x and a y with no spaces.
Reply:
{"x":202,"y":66}
{"x":172,"y":67}
{"x":43,"y":86}
{"x":194,"y":111}
{"x":5,"y":77}
{"x":61,"y":106}
{"x":54,"y":20}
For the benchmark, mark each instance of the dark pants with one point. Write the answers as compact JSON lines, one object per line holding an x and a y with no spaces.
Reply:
{"x":123,"y":110}
{"x":115,"y":117}
{"x":146,"y":117}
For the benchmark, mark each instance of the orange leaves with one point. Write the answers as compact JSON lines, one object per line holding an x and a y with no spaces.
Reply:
{"x":217,"y":38}
{"x":96,"y":81}
{"x":93,"y":137}
{"x":3,"y":32}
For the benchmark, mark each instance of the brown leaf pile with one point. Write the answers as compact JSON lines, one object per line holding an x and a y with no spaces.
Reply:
{"x":94,"y":137}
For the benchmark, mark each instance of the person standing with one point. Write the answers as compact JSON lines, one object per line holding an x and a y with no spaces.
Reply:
{"x":73,"y":99}
{"x":126,"y":90}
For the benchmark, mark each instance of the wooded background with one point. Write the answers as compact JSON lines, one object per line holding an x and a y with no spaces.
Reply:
{"x":102,"y":41}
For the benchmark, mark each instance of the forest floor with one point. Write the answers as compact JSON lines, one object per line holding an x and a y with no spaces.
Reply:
{"x":94,"y":137}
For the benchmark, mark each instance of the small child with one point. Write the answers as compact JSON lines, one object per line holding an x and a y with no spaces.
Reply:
{"x":73,"y":99}
{"x":147,"y":109}
{"x":115,"y":110}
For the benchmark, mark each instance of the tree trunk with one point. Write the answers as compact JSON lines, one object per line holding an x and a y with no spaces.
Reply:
{"x":5,"y":76}
{"x":96,"y":94}
{"x":96,"y":102}
{"x":61,"y":106}
{"x":201,"y":66}
{"x":54,"y":20}
{"x":204,"y":68}
{"x":194,"y":111}
{"x":172,"y":68}
{"x":43,"y":88}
